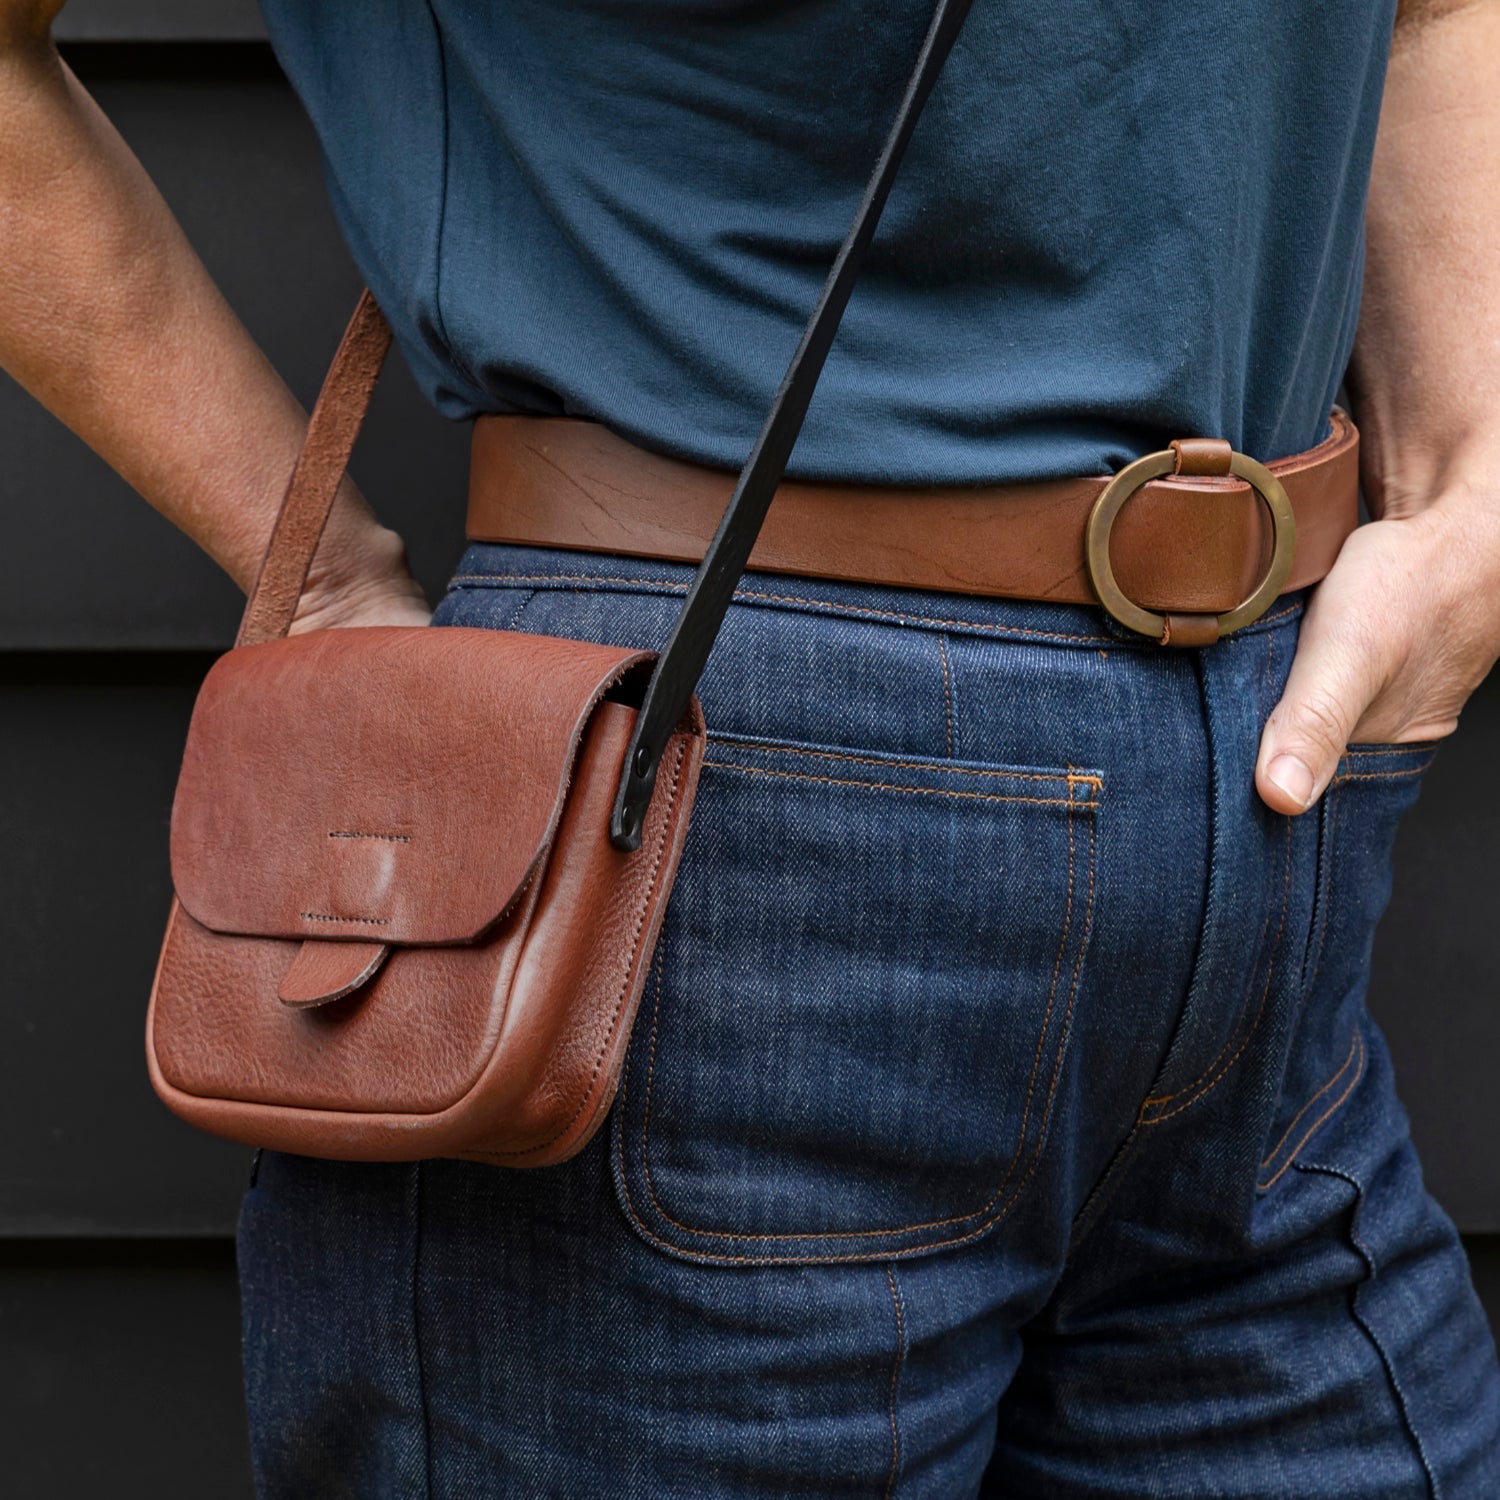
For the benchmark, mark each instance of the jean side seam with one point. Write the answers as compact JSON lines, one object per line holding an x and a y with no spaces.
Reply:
{"x":416,"y":1326}
{"x":1371,"y":1271}
{"x":1357,"y":1058}
{"x":897,"y":1362}
{"x":1323,"y":897}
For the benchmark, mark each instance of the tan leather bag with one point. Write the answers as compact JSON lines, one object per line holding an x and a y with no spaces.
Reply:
{"x":401,"y":928}
{"x":419,"y":873}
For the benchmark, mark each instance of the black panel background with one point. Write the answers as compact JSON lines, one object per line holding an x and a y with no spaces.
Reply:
{"x":116,"y":1293}
{"x":87,"y":566}
{"x":160,"y":21}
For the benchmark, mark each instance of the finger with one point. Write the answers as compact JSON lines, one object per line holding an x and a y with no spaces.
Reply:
{"x":1335,"y":676}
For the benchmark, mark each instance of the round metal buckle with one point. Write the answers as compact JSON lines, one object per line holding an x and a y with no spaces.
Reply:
{"x":1154,"y":466}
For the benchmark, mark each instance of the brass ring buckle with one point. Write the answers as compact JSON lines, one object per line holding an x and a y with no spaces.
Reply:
{"x":1154,"y":466}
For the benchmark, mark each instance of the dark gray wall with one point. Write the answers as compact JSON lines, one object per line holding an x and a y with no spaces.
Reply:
{"x":160,"y":21}
{"x":116,"y":1294}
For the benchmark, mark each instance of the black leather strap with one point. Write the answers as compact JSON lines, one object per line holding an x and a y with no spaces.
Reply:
{"x":676,"y":676}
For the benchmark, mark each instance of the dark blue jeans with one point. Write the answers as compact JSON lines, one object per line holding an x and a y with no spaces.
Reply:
{"x":1003,"y":1116}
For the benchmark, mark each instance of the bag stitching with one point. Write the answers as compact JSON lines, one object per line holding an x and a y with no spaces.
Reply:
{"x":316,"y":916}
{"x":1357,"y":1057}
{"x":709,"y":1257}
{"x":640,"y":927}
{"x":1254,"y":1025}
{"x":1069,"y":776}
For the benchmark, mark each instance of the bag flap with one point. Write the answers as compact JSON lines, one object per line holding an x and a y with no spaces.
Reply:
{"x":380,"y":784}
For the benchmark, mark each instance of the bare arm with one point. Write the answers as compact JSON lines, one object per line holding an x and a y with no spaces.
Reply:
{"x":1408,"y":622}
{"x":109,"y":318}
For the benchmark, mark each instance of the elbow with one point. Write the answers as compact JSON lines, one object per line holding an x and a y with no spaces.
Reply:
{"x":1412,"y":15}
{"x":26,"y":25}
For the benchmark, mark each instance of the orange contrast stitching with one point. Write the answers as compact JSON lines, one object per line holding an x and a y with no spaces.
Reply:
{"x":889,"y":786}
{"x":710,"y":1257}
{"x":906,"y":765}
{"x":1338,"y":1073}
{"x":1357,"y":1055}
{"x":522,"y":579}
{"x":947,"y":690}
{"x":1286,"y":879}
{"x":1358,"y":752}
{"x":1046,"y":1019}
{"x":852,"y":609}
{"x":886,"y":614}
{"x":1383,"y":775}
{"x":640,"y":927}
{"x":890,"y":1487}
{"x":1159,"y":1099}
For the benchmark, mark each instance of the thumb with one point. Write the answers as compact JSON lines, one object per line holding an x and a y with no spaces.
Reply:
{"x":1331,"y":683}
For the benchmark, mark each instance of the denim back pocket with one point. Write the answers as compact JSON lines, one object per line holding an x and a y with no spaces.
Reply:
{"x":851,"y":1042}
{"x":1360,"y":812}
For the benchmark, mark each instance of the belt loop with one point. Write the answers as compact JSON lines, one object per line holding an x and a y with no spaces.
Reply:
{"x":1189,"y":630}
{"x":1206,"y":457}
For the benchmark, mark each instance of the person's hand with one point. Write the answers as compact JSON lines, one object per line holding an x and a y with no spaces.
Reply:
{"x":361,"y":579}
{"x":1398,"y":635}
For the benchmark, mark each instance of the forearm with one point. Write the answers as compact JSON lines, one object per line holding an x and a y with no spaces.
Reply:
{"x":1425,"y":378}
{"x":108,"y":317}
{"x":1407,"y":624}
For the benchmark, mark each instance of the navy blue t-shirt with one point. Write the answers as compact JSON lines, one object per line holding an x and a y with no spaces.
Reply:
{"x":1118,"y":222}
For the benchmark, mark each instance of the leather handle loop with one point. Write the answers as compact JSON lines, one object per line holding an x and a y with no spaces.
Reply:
{"x":315,"y":478}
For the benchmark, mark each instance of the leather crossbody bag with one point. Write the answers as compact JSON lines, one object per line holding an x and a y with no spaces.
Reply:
{"x":419,"y":873}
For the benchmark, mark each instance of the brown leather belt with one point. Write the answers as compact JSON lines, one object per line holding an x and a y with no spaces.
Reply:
{"x":1193,"y":545}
